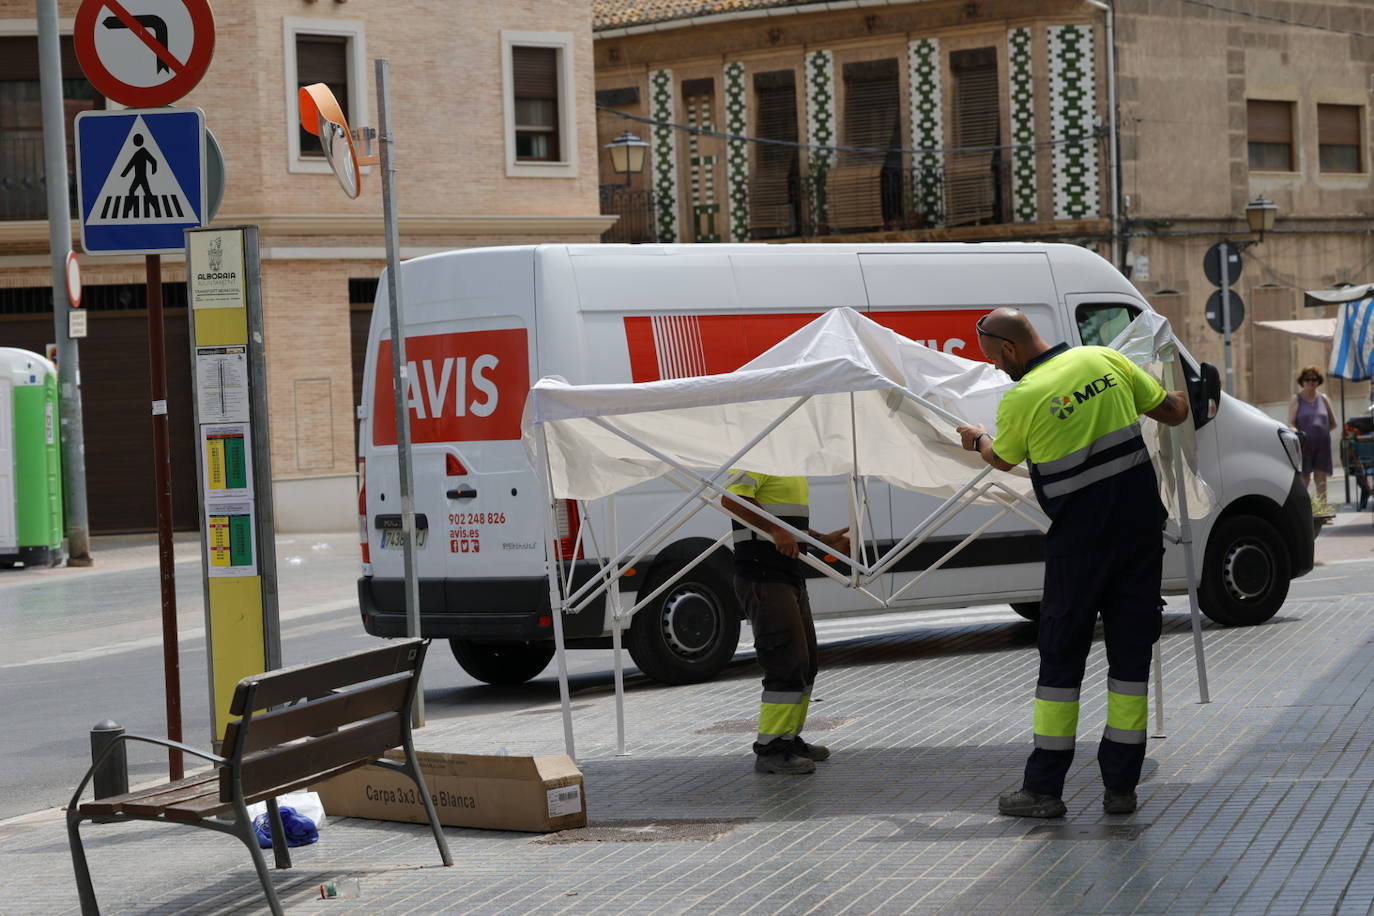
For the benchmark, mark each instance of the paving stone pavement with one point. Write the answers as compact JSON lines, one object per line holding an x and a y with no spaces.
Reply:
{"x":1257,"y":802}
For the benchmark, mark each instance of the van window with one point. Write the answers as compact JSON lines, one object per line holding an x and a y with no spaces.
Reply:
{"x":1098,"y":325}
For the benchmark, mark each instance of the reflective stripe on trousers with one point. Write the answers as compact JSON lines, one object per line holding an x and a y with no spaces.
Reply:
{"x":1056,"y":717}
{"x":1128,"y":710}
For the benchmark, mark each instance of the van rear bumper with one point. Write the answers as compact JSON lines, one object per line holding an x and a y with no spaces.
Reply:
{"x":480,"y":609}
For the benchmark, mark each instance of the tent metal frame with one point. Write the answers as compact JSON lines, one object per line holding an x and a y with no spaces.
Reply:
{"x":705,"y":489}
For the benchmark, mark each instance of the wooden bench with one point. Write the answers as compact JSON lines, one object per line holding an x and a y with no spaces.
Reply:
{"x":323,"y":719}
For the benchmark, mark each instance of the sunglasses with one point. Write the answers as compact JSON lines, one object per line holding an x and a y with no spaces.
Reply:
{"x":1310,"y":378}
{"x":985,"y":333}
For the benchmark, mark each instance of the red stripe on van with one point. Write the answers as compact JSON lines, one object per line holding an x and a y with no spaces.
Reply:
{"x":467,"y":387}
{"x":671,"y":347}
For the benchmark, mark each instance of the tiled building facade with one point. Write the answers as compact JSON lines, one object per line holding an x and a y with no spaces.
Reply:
{"x":492,"y":109}
{"x":990,"y":120}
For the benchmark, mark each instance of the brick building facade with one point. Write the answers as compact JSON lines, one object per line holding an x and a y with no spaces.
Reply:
{"x":492,"y":110}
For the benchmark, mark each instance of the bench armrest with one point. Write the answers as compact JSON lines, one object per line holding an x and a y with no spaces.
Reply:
{"x":109,"y":748}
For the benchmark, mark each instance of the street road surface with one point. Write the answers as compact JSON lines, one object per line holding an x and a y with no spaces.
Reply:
{"x":78,"y":646}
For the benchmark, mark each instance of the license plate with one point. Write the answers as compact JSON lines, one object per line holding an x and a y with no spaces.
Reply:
{"x":391,"y":538}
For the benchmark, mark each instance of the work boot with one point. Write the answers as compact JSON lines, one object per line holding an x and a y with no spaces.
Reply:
{"x":1118,"y":802}
{"x":780,"y":757}
{"x":1025,"y":803}
{"x":816,"y":752}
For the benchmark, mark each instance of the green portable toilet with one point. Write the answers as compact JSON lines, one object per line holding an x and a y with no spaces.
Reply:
{"x":30,"y":461}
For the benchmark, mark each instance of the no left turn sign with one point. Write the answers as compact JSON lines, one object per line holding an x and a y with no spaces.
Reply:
{"x":144,"y":53}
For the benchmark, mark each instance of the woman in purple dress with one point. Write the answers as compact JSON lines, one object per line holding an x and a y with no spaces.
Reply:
{"x":1311,"y":416}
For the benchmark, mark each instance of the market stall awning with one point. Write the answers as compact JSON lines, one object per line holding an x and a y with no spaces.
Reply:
{"x":1323,"y":329}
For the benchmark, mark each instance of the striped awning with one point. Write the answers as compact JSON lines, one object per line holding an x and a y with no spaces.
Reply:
{"x":1352,"y":349}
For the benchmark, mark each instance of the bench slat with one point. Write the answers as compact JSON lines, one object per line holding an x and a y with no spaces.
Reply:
{"x":207,"y":806}
{"x":112,"y":804}
{"x":318,"y":678}
{"x":154,"y":806}
{"x":325,"y":714}
{"x":313,"y":756}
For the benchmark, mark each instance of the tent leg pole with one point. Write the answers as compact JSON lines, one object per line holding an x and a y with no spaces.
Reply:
{"x":556,"y":600}
{"x":1185,"y":528}
{"x":616,"y":617}
{"x":1159,"y":688}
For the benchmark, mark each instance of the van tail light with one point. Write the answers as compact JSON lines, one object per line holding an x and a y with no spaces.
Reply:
{"x":362,"y":511}
{"x":569,"y":526}
{"x":453,"y":467}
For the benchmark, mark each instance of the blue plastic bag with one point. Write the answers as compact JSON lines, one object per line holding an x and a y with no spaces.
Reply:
{"x":300,"y":830}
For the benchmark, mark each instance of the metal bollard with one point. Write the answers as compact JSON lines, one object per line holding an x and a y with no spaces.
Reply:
{"x":112,"y":778}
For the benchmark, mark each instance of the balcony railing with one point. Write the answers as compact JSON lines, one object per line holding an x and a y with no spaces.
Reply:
{"x":23,"y":189}
{"x":970,"y":190}
{"x":636,"y":212}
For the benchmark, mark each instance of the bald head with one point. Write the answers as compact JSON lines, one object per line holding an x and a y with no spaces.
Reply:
{"x":1009,"y":340}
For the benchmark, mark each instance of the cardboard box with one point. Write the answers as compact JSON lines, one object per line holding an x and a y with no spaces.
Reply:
{"x":538,"y":794}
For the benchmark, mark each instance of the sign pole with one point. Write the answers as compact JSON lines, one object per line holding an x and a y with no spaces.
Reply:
{"x":1226,"y":314}
{"x":162,"y":484}
{"x":399,"y":368}
{"x":60,"y":243}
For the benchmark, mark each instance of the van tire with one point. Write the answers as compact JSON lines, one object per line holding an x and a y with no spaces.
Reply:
{"x":691,"y":631}
{"x":1245,"y":572}
{"x":1030,"y":610}
{"x":502,"y":664}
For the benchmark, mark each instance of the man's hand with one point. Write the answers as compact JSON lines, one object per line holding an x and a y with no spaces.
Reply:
{"x":970,"y":434}
{"x":1171,"y":411}
{"x":837,"y":541}
{"x":784,"y":541}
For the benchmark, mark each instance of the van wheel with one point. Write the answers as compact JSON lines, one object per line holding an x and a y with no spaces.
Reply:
{"x":501,"y":663}
{"x":690,"y":632}
{"x":1027,"y":609}
{"x":1245,"y":572}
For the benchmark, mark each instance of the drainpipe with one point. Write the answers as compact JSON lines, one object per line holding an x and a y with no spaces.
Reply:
{"x":1115,"y":153}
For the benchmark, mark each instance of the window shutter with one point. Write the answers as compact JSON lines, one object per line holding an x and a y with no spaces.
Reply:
{"x":772,"y":197}
{"x":1269,"y":122}
{"x":871,"y":108}
{"x":534,"y":72}
{"x":19,"y":58}
{"x":322,"y":59}
{"x":1338,"y":125}
{"x":971,"y":187}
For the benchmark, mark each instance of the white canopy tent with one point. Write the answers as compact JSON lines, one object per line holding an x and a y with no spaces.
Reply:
{"x":843,"y":396}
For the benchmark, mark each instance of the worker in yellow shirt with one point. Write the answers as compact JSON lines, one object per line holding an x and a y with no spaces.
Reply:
{"x":771,"y":586}
{"x":1075,"y":416}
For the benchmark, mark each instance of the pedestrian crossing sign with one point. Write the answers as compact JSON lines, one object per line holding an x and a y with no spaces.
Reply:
{"x":140,"y":177}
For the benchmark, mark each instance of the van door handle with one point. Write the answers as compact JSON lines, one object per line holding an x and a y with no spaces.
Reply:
{"x":464,"y":493}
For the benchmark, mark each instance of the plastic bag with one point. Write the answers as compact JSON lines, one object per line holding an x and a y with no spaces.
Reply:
{"x":299,"y":829}
{"x":305,"y":803}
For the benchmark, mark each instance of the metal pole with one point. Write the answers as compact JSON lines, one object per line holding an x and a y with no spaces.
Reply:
{"x":266,"y":532}
{"x":162,"y":488}
{"x":59,"y":243}
{"x":399,"y":370}
{"x":1225,"y":253}
{"x":613,"y":599}
{"x":1114,"y":137}
{"x":1185,"y":530}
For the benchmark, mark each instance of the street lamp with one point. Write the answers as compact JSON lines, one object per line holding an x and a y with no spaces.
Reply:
{"x":627,"y":155}
{"x":1260,"y":213}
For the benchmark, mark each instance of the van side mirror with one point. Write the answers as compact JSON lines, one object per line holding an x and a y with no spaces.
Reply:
{"x":1207,"y":396}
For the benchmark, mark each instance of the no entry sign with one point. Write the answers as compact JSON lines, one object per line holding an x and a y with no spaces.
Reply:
{"x":144,"y":53}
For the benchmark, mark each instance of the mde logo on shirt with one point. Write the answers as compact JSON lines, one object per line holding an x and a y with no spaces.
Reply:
{"x":467,"y":387}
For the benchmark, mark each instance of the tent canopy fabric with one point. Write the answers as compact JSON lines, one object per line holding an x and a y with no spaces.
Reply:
{"x":863,"y":414}
{"x":1323,"y":329}
{"x":1352,"y":349}
{"x":1316,"y":298}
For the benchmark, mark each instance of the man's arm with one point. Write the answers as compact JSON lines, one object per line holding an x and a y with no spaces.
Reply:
{"x":1172,"y":411}
{"x":783,"y":539}
{"x":977,"y":439}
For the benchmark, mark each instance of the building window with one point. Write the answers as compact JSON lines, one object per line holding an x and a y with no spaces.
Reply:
{"x":973,"y":186}
{"x":322,"y":59}
{"x":534,"y":78}
{"x":22,"y":192}
{"x":325,"y":51}
{"x":1269,"y":129}
{"x":1338,"y":138}
{"x":540,"y":133}
{"x":774,"y":192}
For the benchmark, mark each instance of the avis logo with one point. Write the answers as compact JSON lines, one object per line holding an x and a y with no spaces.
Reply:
{"x":444,"y":393}
{"x":1061,"y":408}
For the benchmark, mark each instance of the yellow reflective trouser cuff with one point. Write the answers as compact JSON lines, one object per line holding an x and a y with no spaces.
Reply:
{"x":780,"y":715}
{"x":805,"y":705}
{"x":1128,"y":712}
{"x":1056,"y":717}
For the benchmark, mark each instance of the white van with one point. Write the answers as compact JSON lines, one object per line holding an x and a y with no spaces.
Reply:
{"x":483,"y":324}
